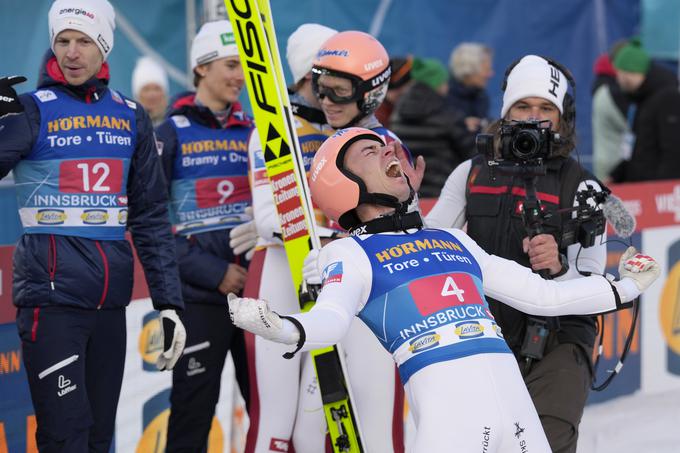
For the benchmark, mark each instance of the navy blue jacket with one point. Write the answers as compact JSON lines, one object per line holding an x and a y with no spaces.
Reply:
{"x":74,"y":271}
{"x":470,"y":101}
{"x":203,"y":258}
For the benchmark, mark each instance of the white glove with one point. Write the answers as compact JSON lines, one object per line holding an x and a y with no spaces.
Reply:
{"x":243,"y":237}
{"x":310,"y":270}
{"x":173,"y":337}
{"x":642,"y":269}
{"x":254,"y":315}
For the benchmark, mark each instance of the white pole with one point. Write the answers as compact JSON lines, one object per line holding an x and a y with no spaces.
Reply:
{"x":190,"y":9}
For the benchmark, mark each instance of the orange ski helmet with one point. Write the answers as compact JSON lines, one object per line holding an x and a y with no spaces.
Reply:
{"x":359,"y":57}
{"x":335,"y":189}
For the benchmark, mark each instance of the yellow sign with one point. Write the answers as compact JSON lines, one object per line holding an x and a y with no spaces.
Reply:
{"x":150,"y":345}
{"x":155,"y":435}
{"x":669,"y":309}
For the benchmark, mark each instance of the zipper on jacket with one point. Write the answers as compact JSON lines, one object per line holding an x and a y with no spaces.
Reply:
{"x":91,"y":91}
{"x":52,"y":260}
{"x":105,"y":262}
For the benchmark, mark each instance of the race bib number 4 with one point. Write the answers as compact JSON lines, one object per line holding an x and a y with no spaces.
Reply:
{"x":91,"y":176}
{"x":438,"y":292}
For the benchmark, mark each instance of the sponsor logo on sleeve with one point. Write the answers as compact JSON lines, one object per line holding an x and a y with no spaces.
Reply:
{"x":280,"y":445}
{"x":332,"y":273}
{"x":116,"y":97}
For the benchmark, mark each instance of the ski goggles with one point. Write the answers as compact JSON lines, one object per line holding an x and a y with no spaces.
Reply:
{"x":337,"y":95}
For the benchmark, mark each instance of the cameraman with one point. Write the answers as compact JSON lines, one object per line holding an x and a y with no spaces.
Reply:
{"x":535,"y":89}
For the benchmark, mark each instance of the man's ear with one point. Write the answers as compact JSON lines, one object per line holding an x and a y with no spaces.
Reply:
{"x":202,"y":69}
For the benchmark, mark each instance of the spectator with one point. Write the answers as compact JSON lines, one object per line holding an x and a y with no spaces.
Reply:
{"x":150,"y":88}
{"x":558,"y":377}
{"x":86,"y":170}
{"x":209,"y":197}
{"x":430,"y":127}
{"x":401,"y":74}
{"x":609,"y":117}
{"x":471,"y":67}
{"x":654,"y":91}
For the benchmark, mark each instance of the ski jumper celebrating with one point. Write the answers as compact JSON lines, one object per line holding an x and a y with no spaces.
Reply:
{"x":421,"y":292}
{"x":86,"y":169}
{"x":350,"y":77}
{"x":205,"y":158}
{"x":559,"y":382}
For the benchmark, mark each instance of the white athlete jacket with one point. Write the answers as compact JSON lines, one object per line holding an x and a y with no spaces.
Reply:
{"x":422,"y":295}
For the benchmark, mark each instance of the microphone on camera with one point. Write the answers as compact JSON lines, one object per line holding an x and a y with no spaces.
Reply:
{"x":621,"y":220}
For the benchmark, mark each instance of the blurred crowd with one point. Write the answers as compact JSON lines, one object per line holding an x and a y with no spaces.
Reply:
{"x":438,"y":110}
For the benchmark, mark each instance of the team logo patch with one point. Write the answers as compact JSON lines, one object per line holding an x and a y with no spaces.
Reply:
{"x":180,"y":121}
{"x":278,"y":445}
{"x":116,"y":97}
{"x":424,"y":342}
{"x":469,"y":329}
{"x":94,"y":216}
{"x":45,"y":95}
{"x":332,"y":273}
{"x":50,"y":217}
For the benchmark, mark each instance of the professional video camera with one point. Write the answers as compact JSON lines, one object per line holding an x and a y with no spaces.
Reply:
{"x":523,"y":146}
{"x":521,"y":151}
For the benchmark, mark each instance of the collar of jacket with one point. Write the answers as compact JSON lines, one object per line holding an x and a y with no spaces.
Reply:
{"x":185,"y":104}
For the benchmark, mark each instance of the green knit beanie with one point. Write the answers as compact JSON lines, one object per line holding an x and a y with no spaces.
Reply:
{"x":632,"y":58}
{"x":429,"y":71}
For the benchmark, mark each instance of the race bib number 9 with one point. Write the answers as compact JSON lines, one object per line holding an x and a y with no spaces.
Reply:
{"x":438,"y":292}
{"x":211,"y":192}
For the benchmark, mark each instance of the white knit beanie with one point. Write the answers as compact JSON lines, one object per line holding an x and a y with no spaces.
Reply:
{"x":95,"y":18}
{"x":147,"y":71}
{"x":213,"y":41}
{"x":303,"y":45}
{"x":533,"y":76}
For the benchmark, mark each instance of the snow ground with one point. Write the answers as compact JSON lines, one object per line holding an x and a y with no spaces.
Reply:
{"x":632,"y":424}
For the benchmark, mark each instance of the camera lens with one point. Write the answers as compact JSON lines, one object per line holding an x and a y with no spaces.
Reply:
{"x":526,"y":144}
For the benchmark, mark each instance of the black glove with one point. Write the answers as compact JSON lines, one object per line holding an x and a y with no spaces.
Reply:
{"x":9,"y":100}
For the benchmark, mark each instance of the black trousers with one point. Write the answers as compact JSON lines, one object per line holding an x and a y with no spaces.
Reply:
{"x":559,"y":385}
{"x":74,"y":360}
{"x":197,"y":375}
